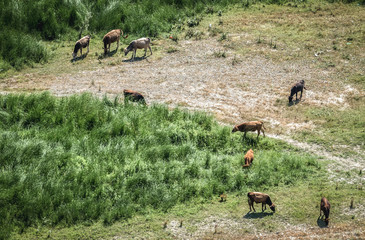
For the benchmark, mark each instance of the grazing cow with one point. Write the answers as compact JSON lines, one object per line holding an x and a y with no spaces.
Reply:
{"x":250,"y":126}
{"x":80,"y":44}
{"x":258,"y":197}
{"x":138,"y":44}
{"x":298,"y":87}
{"x":110,"y":37}
{"x":133,"y":96}
{"x":248,"y":158}
{"x":325,"y":208}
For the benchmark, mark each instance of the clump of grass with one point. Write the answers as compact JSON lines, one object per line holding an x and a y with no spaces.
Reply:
{"x":220,"y":54}
{"x":223,"y":37}
{"x":172,"y":50}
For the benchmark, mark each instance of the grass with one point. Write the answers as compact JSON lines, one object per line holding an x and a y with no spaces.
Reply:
{"x":79,"y":159}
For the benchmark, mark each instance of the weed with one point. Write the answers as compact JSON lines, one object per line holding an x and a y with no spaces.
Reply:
{"x":219,"y":54}
{"x":172,"y":50}
{"x":223,"y":37}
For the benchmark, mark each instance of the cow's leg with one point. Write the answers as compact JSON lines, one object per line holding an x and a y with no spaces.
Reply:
{"x":145,"y":51}
{"x":109,"y":47}
{"x":150,"y":49}
{"x":262,"y":130}
{"x":258,"y":132}
{"x":134,"y":53}
{"x":301,"y":93}
{"x":87,"y":49}
{"x":81,"y":51}
{"x":117,"y":43}
{"x":296,"y":96}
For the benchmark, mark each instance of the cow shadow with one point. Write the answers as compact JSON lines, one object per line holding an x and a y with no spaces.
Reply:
{"x":111,"y":53}
{"x":321,"y":223}
{"x":249,"y":141}
{"x":256,"y":215}
{"x":295,"y":102}
{"x":79,"y":58}
{"x":136,"y":59}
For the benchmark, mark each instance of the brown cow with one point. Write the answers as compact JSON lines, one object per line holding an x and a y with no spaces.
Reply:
{"x":80,"y":44}
{"x":248,"y":158}
{"x":110,"y":37}
{"x":298,"y":87}
{"x":133,"y":96}
{"x":250,"y":126}
{"x":258,"y":197}
{"x":325,"y":208}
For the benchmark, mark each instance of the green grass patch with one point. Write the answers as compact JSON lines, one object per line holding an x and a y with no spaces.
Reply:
{"x":80,"y":159}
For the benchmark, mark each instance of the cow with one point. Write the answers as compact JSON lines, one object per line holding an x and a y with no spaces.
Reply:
{"x":258,"y":197}
{"x":325,"y":208}
{"x":80,"y":44}
{"x":110,"y":37}
{"x":250,"y":127}
{"x":138,"y":44}
{"x":248,"y":158}
{"x":298,"y":87}
{"x":133,"y":96}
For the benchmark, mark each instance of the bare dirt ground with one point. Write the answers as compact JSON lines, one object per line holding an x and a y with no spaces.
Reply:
{"x":234,"y":89}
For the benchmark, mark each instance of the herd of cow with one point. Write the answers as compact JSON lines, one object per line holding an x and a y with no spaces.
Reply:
{"x":111,"y":37}
{"x":257,"y":197}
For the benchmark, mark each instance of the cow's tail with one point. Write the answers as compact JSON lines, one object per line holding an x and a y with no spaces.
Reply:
{"x":123,"y":34}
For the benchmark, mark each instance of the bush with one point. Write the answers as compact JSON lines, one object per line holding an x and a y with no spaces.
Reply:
{"x":20,"y":49}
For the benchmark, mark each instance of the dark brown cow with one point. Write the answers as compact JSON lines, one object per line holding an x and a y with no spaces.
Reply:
{"x":258,"y":197}
{"x":133,"y":96}
{"x":248,"y":158}
{"x":110,"y":37}
{"x":250,"y":127}
{"x":80,"y":44}
{"x":298,"y":87}
{"x":325,"y":208}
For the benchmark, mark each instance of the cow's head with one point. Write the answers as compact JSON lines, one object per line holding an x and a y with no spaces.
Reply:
{"x":126,"y":51}
{"x":235,"y":129}
{"x":272,"y":207}
{"x":302,"y":82}
{"x":290,"y":99}
{"x":73,"y":55}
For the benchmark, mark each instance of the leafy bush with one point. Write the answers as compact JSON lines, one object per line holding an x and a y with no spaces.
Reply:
{"x":79,"y":158}
{"x":18,"y":49}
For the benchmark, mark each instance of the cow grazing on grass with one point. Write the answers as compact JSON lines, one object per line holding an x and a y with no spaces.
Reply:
{"x":325,"y":208}
{"x":250,"y":127}
{"x":133,"y":96}
{"x":258,"y":197}
{"x":298,"y":87}
{"x":138,"y":44}
{"x":80,"y":44}
{"x":248,"y":158}
{"x":110,"y":37}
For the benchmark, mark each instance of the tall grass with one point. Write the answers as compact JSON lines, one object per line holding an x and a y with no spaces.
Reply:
{"x":80,"y":159}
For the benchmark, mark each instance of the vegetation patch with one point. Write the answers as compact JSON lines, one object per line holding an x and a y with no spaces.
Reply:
{"x":79,"y":159}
